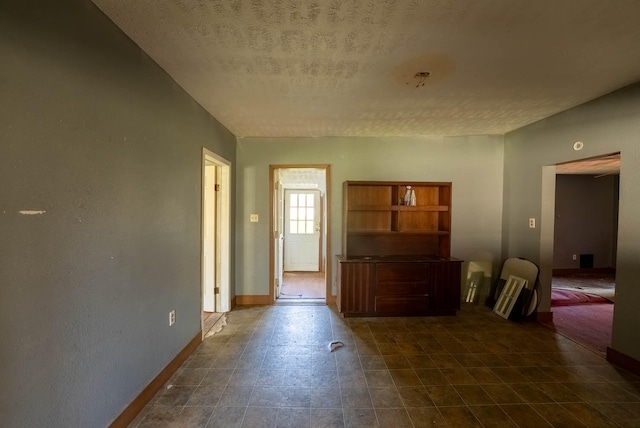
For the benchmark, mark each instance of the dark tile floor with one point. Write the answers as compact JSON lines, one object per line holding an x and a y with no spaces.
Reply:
{"x":271,"y":367}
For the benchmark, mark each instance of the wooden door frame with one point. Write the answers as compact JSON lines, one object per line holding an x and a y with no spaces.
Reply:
{"x":223,"y":231}
{"x":330,"y":298}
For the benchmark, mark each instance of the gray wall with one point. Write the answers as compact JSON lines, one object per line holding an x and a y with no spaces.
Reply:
{"x":586,"y":216}
{"x":96,"y":135}
{"x":473,"y":164}
{"x":607,"y":125}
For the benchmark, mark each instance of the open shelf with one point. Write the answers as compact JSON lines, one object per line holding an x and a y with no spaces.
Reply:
{"x":376,"y":210}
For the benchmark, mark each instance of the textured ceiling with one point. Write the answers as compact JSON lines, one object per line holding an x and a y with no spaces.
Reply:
{"x":278,"y":68}
{"x":302,"y":178}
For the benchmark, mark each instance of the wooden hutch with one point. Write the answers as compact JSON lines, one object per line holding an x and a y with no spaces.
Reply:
{"x":395,"y":257}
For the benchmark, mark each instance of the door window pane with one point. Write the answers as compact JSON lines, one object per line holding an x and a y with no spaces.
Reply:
{"x":301,"y":214}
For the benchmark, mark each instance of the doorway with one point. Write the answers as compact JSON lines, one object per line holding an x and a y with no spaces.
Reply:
{"x":586,"y":199}
{"x":299,"y":271}
{"x":215,"y":239}
{"x":302,"y":230}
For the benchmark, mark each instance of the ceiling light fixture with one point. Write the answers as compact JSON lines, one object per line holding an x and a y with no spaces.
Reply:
{"x":422,"y":77}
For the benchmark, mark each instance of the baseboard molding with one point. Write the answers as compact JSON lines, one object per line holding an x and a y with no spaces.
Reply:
{"x":259,"y":299}
{"x":136,"y":406}
{"x":623,"y":360}
{"x":544,"y":316}
{"x":249,"y":299}
{"x":593,"y":271}
{"x":233,"y":302}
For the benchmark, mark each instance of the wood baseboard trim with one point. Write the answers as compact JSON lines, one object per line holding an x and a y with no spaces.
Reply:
{"x":249,"y":299}
{"x":138,"y":403}
{"x":576,"y":271}
{"x":623,"y":360}
{"x":233,"y":302}
{"x":544,"y":316}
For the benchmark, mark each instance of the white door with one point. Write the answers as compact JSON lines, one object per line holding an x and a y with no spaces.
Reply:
{"x":209,"y":240}
{"x":278,"y":227}
{"x":302,"y":230}
{"x":215,"y":235}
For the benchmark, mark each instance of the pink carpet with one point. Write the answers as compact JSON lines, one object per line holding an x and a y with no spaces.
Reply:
{"x":589,"y":325}
{"x":563,"y":297}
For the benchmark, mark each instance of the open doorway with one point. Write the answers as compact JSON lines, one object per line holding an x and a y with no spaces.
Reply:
{"x":215,"y":239}
{"x":585,"y":250}
{"x":299,"y":270}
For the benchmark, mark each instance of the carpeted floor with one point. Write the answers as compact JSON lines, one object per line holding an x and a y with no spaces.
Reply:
{"x":582,"y":307}
{"x":599,"y":284}
{"x":589,"y":325}
{"x":568,"y":297}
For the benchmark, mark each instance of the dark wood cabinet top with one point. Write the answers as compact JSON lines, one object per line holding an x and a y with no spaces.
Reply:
{"x":398,"y":259}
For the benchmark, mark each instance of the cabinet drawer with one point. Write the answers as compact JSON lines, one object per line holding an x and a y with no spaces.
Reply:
{"x":401,"y":272}
{"x":401,"y":288}
{"x":402,"y":304}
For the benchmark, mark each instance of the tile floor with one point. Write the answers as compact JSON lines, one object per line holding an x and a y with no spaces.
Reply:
{"x":271,"y":367}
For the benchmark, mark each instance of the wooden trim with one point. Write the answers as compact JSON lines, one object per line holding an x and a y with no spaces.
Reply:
{"x":233,"y":302}
{"x":138,"y":403}
{"x":327,"y":259}
{"x":597,"y":271}
{"x":327,"y":223}
{"x":623,"y":360}
{"x":248,"y":299}
{"x":544,"y":316}
{"x":272,"y":233}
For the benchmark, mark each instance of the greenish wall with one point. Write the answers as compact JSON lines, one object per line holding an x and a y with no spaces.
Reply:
{"x":96,"y":135}
{"x":473,"y":164}
{"x":606,"y":125}
{"x":586,"y":220}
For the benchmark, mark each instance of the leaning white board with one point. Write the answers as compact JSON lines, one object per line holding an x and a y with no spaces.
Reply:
{"x":509,"y":295}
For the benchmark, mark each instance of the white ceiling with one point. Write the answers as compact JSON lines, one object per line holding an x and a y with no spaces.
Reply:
{"x":287,"y":68}
{"x":303,"y":178}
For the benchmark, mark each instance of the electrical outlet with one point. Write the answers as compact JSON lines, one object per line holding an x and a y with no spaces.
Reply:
{"x":172,"y":317}
{"x":575,"y":257}
{"x":253,"y":218}
{"x":532,"y":223}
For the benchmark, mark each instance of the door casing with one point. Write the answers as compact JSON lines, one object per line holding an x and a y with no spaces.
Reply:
{"x":222,"y":229}
{"x":325,"y":228}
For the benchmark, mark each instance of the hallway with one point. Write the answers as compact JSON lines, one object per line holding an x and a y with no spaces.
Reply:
{"x":303,"y":285}
{"x":270,"y":366}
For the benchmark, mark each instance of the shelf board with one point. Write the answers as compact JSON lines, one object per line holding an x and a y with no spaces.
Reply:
{"x":424,"y":232}
{"x":374,"y":208}
{"x":419,"y":208}
{"x":397,"y":232}
{"x":428,"y":208}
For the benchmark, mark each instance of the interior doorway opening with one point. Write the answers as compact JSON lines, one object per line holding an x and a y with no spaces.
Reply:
{"x":215,"y":239}
{"x":299,"y":266}
{"x":584,"y":249}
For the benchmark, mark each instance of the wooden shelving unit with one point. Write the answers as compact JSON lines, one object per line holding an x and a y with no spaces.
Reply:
{"x":396,"y":257}
{"x":377,"y":223}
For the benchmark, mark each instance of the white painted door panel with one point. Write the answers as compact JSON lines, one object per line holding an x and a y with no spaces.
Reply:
{"x":302,"y":230}
{"x":208,"y":299}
